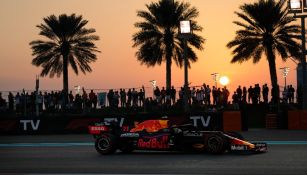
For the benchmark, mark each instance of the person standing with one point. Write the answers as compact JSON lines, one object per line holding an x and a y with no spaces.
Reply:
{"x":250,"y":94}
{"x":123,"y":98}
{"x":265,"y":93}
{"x":11,"y":102}
{"x":157,"y":94}
{"x":2,"y":103}
{"x":84,"y":99}
{"x":134,"y":98}
{"x":40,"y":101}
{"x":244,"y":95}
{"x":18,"y":102}
{"x":199,"y":97}
{"x":235,"y":100}
{"x":168,"y":97}
{"x":163,"y":95}
{"x":239,"y":93}
{"x":219,"y":97}
{"x":285,"y":95}
{"x":110,"y":97}
{"x":225,"y":96}
{"x":129,"y":95}
{"x":173,"y":95}
{"x":208,"y":95}
{"x":71,"y":100}
{"x":257,"y":91}
{"x":214,"y":95}
{"x":141,"y":96}
{"x":181,"y":95}
{"x":291,"y":94}
{"x":116,"y":99}
{"x":93,"y":99}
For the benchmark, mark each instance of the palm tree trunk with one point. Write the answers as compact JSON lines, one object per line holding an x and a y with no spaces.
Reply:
{"x":272,"y":66}
{"x":168,"y":72}
{"x":169,"y":48}
{"x":65,"y":80}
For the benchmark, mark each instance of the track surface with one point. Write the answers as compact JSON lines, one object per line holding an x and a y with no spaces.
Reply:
{"x":282,"y":158}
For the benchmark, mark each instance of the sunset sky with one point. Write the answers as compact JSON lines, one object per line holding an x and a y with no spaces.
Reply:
{"x":117,"y":66}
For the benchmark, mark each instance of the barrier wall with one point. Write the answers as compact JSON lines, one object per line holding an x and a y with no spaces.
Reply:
{"x":304,"y":120}
{"x":297,"y":120}
{"x":230,"y":121}
{"x":271,"y":121}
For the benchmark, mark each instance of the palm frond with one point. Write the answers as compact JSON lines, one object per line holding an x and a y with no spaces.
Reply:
{"x":264,"y":22}
{"x":159,"y":31}
{"x":69,"y":30}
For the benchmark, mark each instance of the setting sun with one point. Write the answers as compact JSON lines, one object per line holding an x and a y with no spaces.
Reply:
{"x":224,"y":80}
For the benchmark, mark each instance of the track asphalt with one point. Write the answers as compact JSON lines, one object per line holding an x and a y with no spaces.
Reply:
{"x":71,"y":154}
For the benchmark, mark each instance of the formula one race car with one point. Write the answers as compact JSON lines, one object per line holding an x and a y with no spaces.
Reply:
{"x":158,"y":135}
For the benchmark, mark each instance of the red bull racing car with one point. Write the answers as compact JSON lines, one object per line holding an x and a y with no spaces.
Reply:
{"x":159,"y":135}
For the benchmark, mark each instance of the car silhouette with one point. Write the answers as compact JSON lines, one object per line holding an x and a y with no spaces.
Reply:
{"x":159,"y":135}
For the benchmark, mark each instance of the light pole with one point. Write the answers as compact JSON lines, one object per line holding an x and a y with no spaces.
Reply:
{"x":297,"y":7}
{"x":215,"y":77}
{"x":285,"y":71}
{"x":185,"y":34}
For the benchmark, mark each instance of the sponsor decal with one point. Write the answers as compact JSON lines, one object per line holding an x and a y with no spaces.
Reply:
{"x":31,"y":123}
{"x":204,"y":122}
{"x":130,"y":134}
{"x":238,"y":147}
{"x":192,"y":134}
{"x":97,"y":129}
{"x":125,"y":128}
{"x":155,"y":142}
{"x":260,"y":144}
{"x":110,"y":120}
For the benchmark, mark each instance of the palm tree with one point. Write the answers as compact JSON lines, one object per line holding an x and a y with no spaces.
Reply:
{"x":158,"y":36}
{"x":67,"y":42}
{"x":266,"y":31}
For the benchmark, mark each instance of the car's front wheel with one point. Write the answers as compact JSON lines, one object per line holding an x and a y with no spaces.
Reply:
{"x":106,"y":144}
{"x":215,"y":144}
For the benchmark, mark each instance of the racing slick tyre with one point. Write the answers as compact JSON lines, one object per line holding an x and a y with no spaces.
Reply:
{"x":106,"y":144}
{"x":215,"y":144}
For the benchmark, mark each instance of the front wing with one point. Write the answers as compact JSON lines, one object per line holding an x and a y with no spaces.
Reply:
{"x":255,"y":147}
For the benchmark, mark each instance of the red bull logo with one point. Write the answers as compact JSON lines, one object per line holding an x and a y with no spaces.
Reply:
{"x":150,"y":126}
{"x":156,"y":142}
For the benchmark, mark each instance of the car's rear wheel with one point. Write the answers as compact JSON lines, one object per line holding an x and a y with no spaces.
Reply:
{"x":106,"y":144}
{"x":215,"y":144}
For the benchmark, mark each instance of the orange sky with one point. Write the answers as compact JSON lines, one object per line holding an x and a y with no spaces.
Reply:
{"x":117,"y":66}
